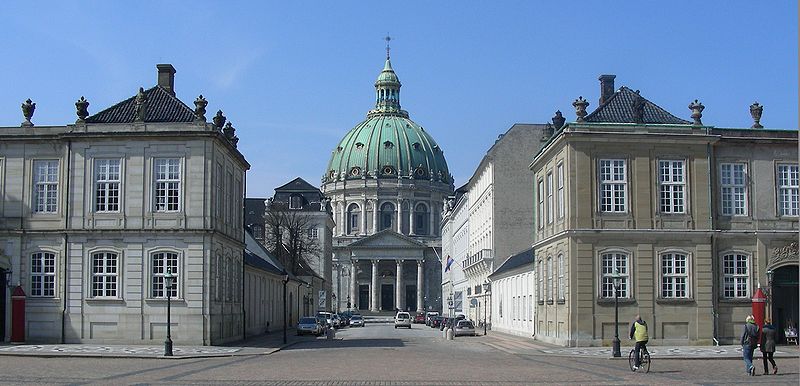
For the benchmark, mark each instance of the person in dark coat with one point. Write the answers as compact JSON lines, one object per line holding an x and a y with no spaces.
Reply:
{"x":749,"y":343}
{"x":768,"y":346}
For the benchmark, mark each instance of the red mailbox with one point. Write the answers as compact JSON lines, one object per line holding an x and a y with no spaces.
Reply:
{"x":759,"y":307}
{"x":18,"y":315}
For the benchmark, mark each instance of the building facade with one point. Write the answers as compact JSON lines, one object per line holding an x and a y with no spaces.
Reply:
{"x":512,"y":307}
{"x":680,"y":220}
{"x":96,"y":213}
{"x":387,"y":179}
{"x":496,"y":209}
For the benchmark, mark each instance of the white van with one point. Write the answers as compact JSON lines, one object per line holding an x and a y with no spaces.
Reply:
{"x":402,"y":319}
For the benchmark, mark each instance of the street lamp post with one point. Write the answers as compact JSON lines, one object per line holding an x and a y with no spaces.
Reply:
{"x":617,"y":279}
{"x":169,"y":279}
{"x":285,"y":321}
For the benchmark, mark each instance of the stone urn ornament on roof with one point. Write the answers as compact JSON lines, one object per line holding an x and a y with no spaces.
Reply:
{"x":755,"y":111}
{"x":580,"y":105}
{"x":27,"y":111}
{"x":697,"y":112}
{"x":82,"y":109}
{"x":200,"y":109}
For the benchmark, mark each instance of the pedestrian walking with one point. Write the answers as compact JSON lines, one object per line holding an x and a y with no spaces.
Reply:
{"x":749,"y":343}
{"x":639,"y":332}
{"x":768,"y":346}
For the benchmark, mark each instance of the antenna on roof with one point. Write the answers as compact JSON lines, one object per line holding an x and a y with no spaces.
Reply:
{"x":388,"y":39}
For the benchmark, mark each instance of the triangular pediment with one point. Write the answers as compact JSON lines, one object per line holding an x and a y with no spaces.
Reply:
{"x":387,"y":238}
{"x":297,"y":185}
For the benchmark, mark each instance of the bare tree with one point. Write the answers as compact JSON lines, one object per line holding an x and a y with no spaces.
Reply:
{"x":288,"y":239}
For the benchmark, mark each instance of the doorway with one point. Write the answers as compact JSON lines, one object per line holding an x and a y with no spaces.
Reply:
{"x":363,"y":297}
{"x":387,"y":297}
{"x":411,"y":297}
{"x":785,"y":298}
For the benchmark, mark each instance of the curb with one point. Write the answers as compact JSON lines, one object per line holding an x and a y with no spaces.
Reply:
{"x":268,"y":351}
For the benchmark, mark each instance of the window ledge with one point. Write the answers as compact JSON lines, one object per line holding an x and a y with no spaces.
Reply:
{"x":105,"y":300}
{"x":735,"y":300}
{"x":540,"y":302}
{"x":675,"y":301}
{"x":562,"y":301}
{"x":624,"y":301}
{"x":549,"y":301}
{"x":164,"y":300}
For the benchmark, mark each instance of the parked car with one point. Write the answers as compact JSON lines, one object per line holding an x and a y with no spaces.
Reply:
{"x":328,"y":318}
{"x":443,"y":323}
{"x":337,"y":321}
{"x":419,"y":318}
{"x":402,"y":319}
{"x":309,"y":325}
{"x":464,"y":328}
{"x":429,"y":317}
{"x":345,"y":317}
{"x":357,"y":321}
{"x":435,"y":321}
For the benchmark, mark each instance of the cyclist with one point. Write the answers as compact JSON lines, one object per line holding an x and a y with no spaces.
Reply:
{"x":639,"y":332}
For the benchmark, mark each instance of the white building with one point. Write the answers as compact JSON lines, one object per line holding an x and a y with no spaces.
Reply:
{"x":512,"y":295}
{"x":455,"y":243}
{"x":499,"y":209}
{"x":94,"y":214}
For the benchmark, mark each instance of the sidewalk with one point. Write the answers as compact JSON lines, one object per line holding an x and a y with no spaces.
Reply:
{"x":513,"y":344}
{"x":264,"y":344}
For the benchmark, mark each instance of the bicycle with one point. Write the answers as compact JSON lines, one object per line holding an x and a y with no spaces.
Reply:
{"x":644,"y":360}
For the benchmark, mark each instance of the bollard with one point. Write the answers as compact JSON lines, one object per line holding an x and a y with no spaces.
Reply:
{"x":331,"y":334}
{"x":450,"y":334}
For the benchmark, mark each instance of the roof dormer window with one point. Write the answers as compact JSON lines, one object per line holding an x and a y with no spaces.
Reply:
{"x":295,"y":201}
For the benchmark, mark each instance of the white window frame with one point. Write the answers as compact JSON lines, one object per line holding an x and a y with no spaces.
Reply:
{"x":167,"y":185}
{"x":561,"y":282}
{"x":613,"y":185}
{"x":609,"y":259}
{"x":295,"y":201}
{"x":540,"y":281}
{"x":160,"y":260}
{"x":354,"y":214}
{"x":313,"y":233}
{"x":549,"y":186}
{"x":675,"y":273}
{"x":105,"y":275}
{"x":560,"y":193}
{"x":735,"y":267}
{"x":43,"y":274}
{"x":672,"y":186}
{"x":787,"y":184}
{"x":45,"y":185}
{"x":107,"y":185}
{"x":540,"y":198}
{"x":549,"y":268}
{"x":733,"y":188}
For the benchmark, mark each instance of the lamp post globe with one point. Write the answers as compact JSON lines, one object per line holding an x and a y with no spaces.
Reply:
{"x":169,"y":280}
{"x":617,"y":282}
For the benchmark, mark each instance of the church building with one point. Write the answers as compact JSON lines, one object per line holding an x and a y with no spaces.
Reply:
{"x":387,"y":179}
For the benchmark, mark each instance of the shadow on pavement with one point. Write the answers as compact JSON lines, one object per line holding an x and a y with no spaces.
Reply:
{"x":347,"y":343}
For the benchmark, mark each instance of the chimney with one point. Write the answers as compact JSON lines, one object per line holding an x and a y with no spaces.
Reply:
{"x":606,"y":87}
{"x":166,"y":77}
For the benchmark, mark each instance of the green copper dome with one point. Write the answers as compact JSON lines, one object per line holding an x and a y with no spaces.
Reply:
{"x":387,"y":144}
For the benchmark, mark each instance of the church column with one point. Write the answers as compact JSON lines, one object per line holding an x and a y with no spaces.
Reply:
{"x":363,"y":218}
{"x":411,"y":219}
{"x":342,"y":218}
{"x":374,"y":290}
{"x":431,"y":231}
{"x":398,"y":287}
{"x":420,"y":283}
{"x":400,"y":216}
{"x":354,"y":284}
{"x":375,"y":217}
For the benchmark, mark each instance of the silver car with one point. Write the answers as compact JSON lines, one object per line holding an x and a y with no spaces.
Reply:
{"x":464,"y":327}
{"x":356,"y":321}
{"x":309,"y":325}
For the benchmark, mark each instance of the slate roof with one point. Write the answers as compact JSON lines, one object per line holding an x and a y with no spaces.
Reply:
{"x":297,"y":185}
{"x":162,"y":106}
{"x":520,"y":259}
{"x":619,"y":109}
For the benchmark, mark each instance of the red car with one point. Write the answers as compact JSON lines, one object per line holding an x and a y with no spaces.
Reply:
{"x":419,"y":318}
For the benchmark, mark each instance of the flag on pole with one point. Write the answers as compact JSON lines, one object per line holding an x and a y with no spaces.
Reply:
{"x":449,"y":263}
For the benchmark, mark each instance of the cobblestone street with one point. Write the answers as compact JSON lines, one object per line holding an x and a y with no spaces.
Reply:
{"x":380,"y":355}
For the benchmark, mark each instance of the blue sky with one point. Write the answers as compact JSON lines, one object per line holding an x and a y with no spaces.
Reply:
{"x":294,"y":77}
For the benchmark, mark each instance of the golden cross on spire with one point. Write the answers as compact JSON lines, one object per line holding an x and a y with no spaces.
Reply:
{"x":388,"y":39}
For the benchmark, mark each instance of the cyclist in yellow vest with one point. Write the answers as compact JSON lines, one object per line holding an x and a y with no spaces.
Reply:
{"x":639,"y":332}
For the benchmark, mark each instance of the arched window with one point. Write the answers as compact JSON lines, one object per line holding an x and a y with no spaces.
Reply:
{"x":609,"y":263}
{"x":159,"y":263}
{"x":295,"y":201}
{"x":105,"y":271}
{"x":387,"y":216}
{"x":549,"y":279}
{"x":421,"y":219}
{"x":353,"y":218}
{"x":561,"y":283}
